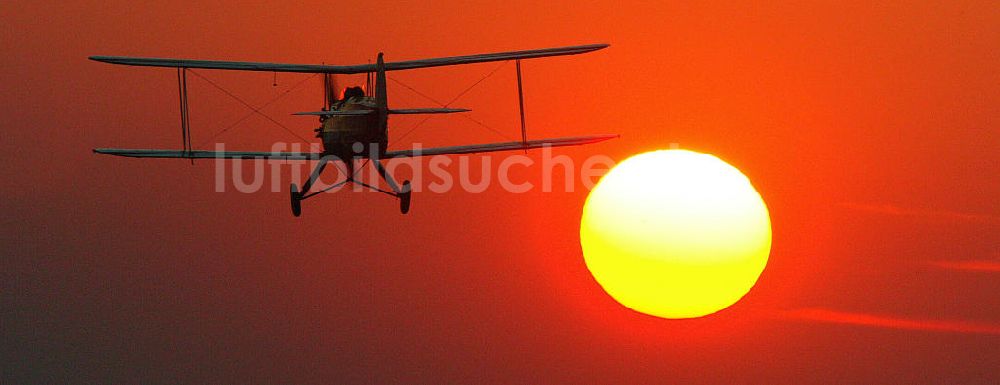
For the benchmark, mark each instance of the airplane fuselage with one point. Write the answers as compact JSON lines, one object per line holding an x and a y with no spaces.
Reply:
{"x":354,"y":136}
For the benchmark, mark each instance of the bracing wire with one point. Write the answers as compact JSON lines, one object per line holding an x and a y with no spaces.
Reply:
{"x":453,"y":100}
{"x":256,"y":110}
{"x":251,"y":113}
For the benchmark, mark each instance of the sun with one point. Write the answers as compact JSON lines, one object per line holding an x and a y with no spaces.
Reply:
{"x":675,"y":234}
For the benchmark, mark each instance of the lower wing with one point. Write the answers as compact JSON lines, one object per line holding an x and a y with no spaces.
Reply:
{"x":453,"y":150}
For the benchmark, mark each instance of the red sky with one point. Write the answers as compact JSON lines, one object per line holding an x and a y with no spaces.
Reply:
{"x":869,"y":130}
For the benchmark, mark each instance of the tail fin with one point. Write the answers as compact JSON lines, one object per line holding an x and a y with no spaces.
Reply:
{"x":381,"y":99}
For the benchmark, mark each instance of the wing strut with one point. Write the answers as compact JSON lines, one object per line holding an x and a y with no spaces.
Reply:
{"x":520,"y":100}
{"x":185,"y":114}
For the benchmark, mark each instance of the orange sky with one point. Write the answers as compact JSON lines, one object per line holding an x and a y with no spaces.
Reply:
{"x":869,"y":130}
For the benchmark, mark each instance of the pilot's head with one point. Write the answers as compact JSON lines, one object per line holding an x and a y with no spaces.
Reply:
{"x":352,"y":92}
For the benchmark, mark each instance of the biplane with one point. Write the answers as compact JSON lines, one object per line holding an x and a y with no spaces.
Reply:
{"x":354,"y":125}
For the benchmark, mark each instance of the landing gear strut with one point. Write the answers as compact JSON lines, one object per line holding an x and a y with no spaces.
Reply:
{"x":296,"y":197}
{"x":403,"y":194}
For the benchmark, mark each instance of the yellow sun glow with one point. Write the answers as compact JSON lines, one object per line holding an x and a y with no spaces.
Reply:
{"x":675,"y":234}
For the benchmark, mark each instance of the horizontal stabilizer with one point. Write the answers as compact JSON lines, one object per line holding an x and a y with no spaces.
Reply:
{"x":336,"y":113}
{"x":136,"y":153}
{"x":414,"y":111}
{"x":403,"y":111}
{"x":348,"y":69}
{"x":504,"y":146}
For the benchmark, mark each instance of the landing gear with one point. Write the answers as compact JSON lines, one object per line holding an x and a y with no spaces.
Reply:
{"x":404,"y":197}
{"x":403,"y":193}
{"x":296,"y":198}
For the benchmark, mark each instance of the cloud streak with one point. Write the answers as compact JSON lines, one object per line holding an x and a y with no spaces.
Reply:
{"x":949,"y":215}
{"x":881,"y":321}
{"x":977,"y":266}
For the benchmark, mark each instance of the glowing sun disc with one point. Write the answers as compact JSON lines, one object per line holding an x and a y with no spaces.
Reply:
{"x":675,"y":234}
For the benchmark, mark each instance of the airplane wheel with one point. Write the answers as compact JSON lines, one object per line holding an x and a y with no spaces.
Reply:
{"x":296,"y":199}
{"x":404,"y":198}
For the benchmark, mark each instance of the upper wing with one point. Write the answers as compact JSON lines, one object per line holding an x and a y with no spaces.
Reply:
{"x":504,"y":146}
{"x":133,"y":153}
{"x":348,"y":69}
